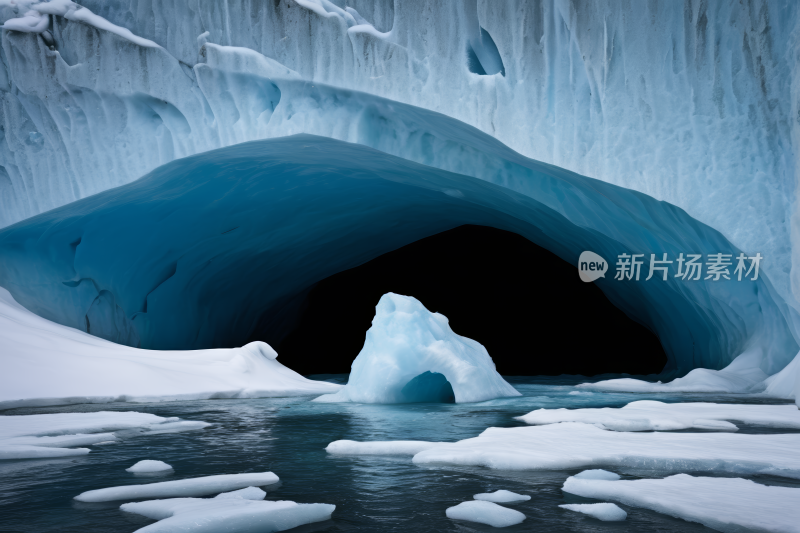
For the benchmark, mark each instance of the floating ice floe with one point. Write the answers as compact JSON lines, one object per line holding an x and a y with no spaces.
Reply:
{"x":45,"y":363}
{"x":724,"y":504}
{"x":573,"y":445}
{"x":394,"y":447}
{"x":199,"y":486}
{"x":227,"y":513}
{"x":648,"y":415}
{"x":57,"y":434}
{"x":412,"y":355}
{"x":502,"y":496}
{"x":485,"y":513}
{"x":149,"y":465}
{"x":607,"y":512}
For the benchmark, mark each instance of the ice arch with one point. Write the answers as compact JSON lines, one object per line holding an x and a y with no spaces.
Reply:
{"x":411,"y":355}
{"x":204,"y":250}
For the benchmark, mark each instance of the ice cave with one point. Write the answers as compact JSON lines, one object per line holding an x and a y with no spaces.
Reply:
{"x":340,"y":230}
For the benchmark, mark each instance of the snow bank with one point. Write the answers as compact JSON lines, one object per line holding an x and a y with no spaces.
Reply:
{"x":724,"y":504}
{"x":199,"y":486}
{"x":197,"y":515}
{"x":607,"y":512}
{"x":55,"y":435}
{"x":485,"y":513}
{"x":49,"y":364}
{"x":502,"y":496}
{"x":412,"y":355}
{"x":572,"y":445}
{"x":149,"y":465}
{"x":648,"y":415}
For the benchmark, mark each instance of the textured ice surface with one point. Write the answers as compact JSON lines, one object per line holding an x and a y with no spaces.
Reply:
{"x":233,"y":515}
{"x":597,"y":473}
{"x":49,"y":364}
{"x":502,"y":496}
{"x":640,"y":96}
{"x":485,"y":513}
{"x":124,"y":266}
{"x":572,"y":445}
{"x":607,"y":512}
{"x":724,"y":504}
{"x":56,"y":435}
{"x":149,"y":465}
{"x":412,"y":355}
{"x":648,"y":415}
{"x":199,"y":486}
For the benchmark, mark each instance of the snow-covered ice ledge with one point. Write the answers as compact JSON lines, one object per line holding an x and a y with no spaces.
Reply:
{"x":412,"y":355}
{"x":45,"y":363}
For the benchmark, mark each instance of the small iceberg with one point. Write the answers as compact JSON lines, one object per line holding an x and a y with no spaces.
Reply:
{"x":411,"y":355}
{"x":485,"y":513}
{"x":502,"y":496}
{"x":607,"y":512}
{"x":148,"y":466}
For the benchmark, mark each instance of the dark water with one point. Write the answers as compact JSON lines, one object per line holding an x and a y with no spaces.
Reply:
{"x":288,"y":437}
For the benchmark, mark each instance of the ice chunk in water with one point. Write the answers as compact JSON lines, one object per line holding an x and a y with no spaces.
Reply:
{"x":148,"y":465}
{"x":502,"y":496}
{"x":412,"y":355}
{"x":607,"y":512}
{"x":597,"y":473}
{"x":724,"y":504}
{"x":485,"y":513}
{"x":232,"y":515}
{"x":199,"y":486}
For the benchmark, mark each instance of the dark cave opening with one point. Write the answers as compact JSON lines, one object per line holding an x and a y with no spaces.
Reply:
{"x":524,"y":304}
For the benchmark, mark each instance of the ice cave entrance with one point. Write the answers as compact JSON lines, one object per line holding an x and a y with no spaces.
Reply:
{"x":429,"y":387}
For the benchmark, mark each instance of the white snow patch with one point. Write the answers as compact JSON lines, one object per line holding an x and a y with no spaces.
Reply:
{"x":198,"y":515}
{"x":724,"y":504}
{"x":45,"y":363}
{"x":607,"y":512}
{"x":597,"y":473}
{"x":149,"y":465}
{"x":56,"y":435}
{"x":199,"y":486}
{"x":408,"y":354}
{"x":485,"y":513}
{"x":648,"y":415}
{"x":502,"y":496}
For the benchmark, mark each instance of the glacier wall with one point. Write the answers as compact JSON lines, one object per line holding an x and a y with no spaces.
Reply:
{"x":206,"y":250}
{"x":693,"y":103}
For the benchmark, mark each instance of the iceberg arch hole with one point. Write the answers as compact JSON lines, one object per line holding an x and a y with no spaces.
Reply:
{"x":483,"y":57}
{"x":209,"y":250}
{"x":524,"y":304}
{"x":428,"y":387}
